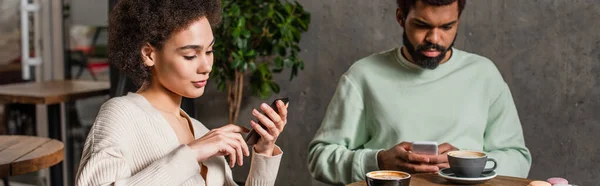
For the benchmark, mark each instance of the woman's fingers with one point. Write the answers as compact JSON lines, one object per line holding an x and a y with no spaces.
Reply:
{"x":273,"y":116}
{"x":262,"y":132}
{"x":239,"y":152}
{"x":233,"y":128}
{"x":282,"y":113}
{"x":233,"y":145}
{"x":231,"y":153}
{"x":243,"y":144}
{"x":273,"y":130}
{"x":236,"y":141}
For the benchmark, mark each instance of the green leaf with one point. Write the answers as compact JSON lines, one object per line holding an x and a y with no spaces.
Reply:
{"x":236,"y":33}
{"x":274,"y":87}
{"x":241,"y":22}
{"x":279,"y":61}
{"x":280,"y":50}
{"x":240,"y":53}
{"x":236,"y":63}
{"x":278,"y":15}
{"x":264,"y":70}
{"x":252,"y":66}
{"x":294,"y":73}
{"x":270,"y":12}
{"x":287,"y":62}
{"x":288,"y":8}
{"x":241,"y":43}
{"x":278,"y":64}
{"x":235,"y":10}
{"x":236,"y":55}
{"x":244,"y":43}
{"x":265,"y":90}
{"x":251,"y":53}
{"x":246,"y":33}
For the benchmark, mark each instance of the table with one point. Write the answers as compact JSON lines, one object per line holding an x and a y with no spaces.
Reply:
{"x":52,"y":94}
{"x":435,"y":180}
{"x":24,"y":154}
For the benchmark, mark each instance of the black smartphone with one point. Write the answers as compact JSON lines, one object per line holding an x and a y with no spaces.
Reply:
{"x":253,"y":137}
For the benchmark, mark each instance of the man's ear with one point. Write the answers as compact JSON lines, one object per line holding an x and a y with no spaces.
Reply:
{"x":148,"y":54}
{"x":400,"y":17}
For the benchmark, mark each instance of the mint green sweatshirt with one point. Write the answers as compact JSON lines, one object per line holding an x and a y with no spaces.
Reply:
{"x":384,"y":99}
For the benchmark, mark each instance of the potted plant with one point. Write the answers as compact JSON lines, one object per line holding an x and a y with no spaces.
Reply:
{"x":257,"y":38}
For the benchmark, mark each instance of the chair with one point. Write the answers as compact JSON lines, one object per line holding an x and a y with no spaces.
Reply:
{"x":79,"y":59}
{"x":90,"y":58}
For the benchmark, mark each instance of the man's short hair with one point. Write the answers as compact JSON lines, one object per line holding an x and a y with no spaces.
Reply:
{"x":406,"y":5}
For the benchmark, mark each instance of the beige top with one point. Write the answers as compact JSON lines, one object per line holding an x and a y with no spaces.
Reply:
{"x":131,"y":143}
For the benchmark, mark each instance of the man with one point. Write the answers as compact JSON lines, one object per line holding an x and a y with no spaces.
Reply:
{"x":423,"y":91}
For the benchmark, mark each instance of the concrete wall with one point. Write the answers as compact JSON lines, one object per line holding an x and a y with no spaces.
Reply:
{"x":89,"y":12}
{"x":548,"y":52}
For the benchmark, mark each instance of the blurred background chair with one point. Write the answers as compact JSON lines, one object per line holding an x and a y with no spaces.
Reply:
{"x":93,"y":57}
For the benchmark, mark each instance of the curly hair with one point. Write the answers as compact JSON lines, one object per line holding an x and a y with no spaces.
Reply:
{"x":406,"y":5}
{"x":133,"y":23}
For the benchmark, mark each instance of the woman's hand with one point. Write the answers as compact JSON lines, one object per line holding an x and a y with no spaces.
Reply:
{"x":274,"y":124}
{"x":222,"y":141}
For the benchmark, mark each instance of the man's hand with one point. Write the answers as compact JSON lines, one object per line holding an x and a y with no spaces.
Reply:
{"x":441,"y":160}
{"x":401,"y":158}
{"x":444,"y":148}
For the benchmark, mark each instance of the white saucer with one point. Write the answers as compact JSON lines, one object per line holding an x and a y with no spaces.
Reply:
{"x":447,"y":174}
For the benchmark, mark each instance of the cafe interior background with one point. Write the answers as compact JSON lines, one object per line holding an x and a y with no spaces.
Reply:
{"x":547,"y":51}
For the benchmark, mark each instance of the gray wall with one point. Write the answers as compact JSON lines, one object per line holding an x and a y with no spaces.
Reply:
{"x":547,"y":51}
{"x":89,"y":12}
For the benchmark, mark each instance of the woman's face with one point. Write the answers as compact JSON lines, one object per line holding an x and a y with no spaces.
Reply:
{"x":185,"y":61}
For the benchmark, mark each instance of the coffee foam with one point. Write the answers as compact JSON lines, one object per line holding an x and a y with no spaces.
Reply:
{"x":466,"y":154}
{"x":388,"y":175}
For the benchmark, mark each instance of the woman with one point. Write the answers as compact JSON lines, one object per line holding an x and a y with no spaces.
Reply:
{"x":144,"y":138}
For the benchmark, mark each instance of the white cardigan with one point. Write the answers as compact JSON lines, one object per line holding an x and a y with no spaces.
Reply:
{"x":131,"y":143}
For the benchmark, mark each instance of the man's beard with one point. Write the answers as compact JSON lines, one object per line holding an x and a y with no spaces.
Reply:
{"x":419,"y":58}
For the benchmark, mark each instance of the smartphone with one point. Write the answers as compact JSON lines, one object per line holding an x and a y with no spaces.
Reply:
{"x":425,"y":147}
{"x":253,"y":137}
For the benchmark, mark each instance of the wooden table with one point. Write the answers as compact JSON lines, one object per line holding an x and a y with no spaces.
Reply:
{"x":52,"y":94}
{"x":24,"y":154}
{"x":435,"y":180}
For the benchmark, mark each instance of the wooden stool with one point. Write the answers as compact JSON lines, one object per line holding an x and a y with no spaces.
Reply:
{"x":24,"y":154}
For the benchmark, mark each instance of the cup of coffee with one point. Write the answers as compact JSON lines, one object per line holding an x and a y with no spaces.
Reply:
{"x":388,"y":178}
{"x":469,"y":164}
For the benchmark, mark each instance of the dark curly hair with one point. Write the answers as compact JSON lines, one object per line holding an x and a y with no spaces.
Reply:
{"x":133,"y":23}
{"x":406,"y":5}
